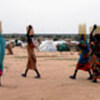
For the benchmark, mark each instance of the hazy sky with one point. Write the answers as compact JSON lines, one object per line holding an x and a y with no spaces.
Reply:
{"x":60,"y":16}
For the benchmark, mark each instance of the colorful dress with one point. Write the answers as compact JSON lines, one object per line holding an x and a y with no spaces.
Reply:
{"x":92,"y":55}
{"x":2,"y":53}
{"x":96,"y":67}
{"x":31,"y":64}
{"x":84,"y":60}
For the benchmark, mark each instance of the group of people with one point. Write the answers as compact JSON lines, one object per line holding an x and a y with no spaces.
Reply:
{"x":31,"y":64}
{"x":90,"y":55}
{"x":89,"y":58}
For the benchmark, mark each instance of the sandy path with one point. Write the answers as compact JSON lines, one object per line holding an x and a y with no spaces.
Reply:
{"x":54,"y":84}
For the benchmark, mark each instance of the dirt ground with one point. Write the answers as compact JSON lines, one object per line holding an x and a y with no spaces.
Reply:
{"x":55,"y":84}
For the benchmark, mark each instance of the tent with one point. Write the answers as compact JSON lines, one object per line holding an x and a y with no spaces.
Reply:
{"x":63,"y":47}
{"x":47,"y":45}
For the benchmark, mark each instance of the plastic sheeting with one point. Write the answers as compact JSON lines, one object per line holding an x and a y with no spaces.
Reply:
{"x":48,"y":46}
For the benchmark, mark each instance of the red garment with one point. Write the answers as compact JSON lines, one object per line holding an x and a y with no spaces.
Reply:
{"x":0,"y":72}
{"x":84,"y":67}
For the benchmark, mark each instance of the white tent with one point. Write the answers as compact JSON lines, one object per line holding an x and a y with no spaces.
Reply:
{"x":48,"y":45}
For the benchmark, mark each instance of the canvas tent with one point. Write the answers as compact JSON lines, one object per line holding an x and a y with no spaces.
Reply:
{"x":48,"y":46}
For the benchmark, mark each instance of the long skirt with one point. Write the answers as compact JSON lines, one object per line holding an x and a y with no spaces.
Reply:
{"x":1,"y":68}
{"x":31,"y":64}
{"x":96,"y":69}
{"x":92,"y":61}
{"x":83,"y":63}
{"x":84,"y":67}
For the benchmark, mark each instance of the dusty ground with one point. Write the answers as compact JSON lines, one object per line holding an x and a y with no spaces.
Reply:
{"x":55,"y":84}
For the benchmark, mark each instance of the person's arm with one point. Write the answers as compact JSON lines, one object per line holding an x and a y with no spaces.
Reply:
{"x":91,"y":34}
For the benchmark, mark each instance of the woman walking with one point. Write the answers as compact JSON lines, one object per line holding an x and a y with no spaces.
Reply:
{"x":84,"y":60}
{"x":2,"y":52}
{"x":96,"y":51}
{"x":92,"y":47}
{"x":31,"y":64}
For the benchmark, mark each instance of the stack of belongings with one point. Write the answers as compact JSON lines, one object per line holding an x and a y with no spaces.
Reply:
{"x":63,"y":47}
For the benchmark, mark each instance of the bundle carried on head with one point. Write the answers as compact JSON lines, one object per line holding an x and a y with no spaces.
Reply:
{"x":0,"y":27}
{"x":82,"y":29}
{"x":97,"y":33}
{"x":95,"y":29}
{"x":30,"y":30}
